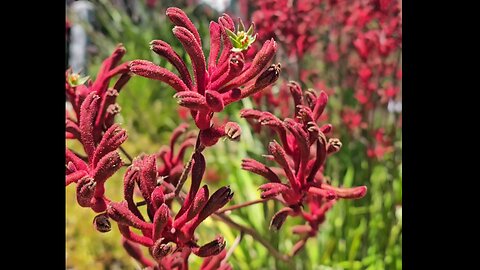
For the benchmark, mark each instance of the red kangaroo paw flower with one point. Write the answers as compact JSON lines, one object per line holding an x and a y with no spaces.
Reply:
{"x":210,"y":136}
{"x":147,"y":181}
{"x":279,"y":218}
{"x":162,"y":48}
{"x":106,"y":167}
{"x":200,"y":200}
{"x":234,"y":67}
{"x":121,"y":214}
{"x":88,"y":112}
{"x":296,"y":92}
{"x":112,"y":110}
{"x":218,"y":199}
{"x":333,"y":146}
{"x":269,"y":76}
{"x":214,"y":101}
{"x":202,"y":119}
{"x":85,"y":191}
{"x":112,"y":139}
{"x":215,"y":262}
{"x":158,"y":197}
{"x":195,"y":52}
{"x":124,"y":78}
{"x":311,"y":98}
{"x":192,"y":100}
{"x":215,"y":39}
{"x":271,"y":190}
{"x":305,"y":114}
{"x":302,"y":229}
{"x":320,"y":157}
{"x":74,"y":177}
{"x":281,"y":158}
{"x":179,"y":18}
{"x":101,"y":83}
{"x":250,"y":113}
{"x":326,"y":129}
{"x":199,"y":203}
{"x":226,"y":21}
{"x":327,"y":194}
{"x":346,"y":193}
{"x":132,"y":175}
{"x":149,"y":70}
{"x":298,"y":246}
{"x":259,"y":63}
{"x":266,"y":78}
{"x":120,"y":69}
{"x":160,"y":249}
{"x":177,"y":132}
{"x":260,"y":169}
{"x":211,"y":249}
{"x":160,"y":221}
{"x":320,"y":105}
{"x":142,"y":240}
{"x":135,"y":252}
{"x":73,"y":128}
{"x":108,"y":98}
{"x":102,"y":223}
{"x":233,"y":131}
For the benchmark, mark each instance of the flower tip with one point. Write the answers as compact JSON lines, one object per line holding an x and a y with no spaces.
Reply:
{"x":278,"y":219}
{"x":211,"y":249}
{"x":160,"y":250}
{"x":362,"y":191}
{"x":233,"y":131}
{"x":102,"y":223}
{"x":171,"y":10}
{"x":330,"y":195}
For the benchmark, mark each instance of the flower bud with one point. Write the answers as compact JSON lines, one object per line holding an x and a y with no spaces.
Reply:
{"x":233,"y":131}
{"x":279,"y":218}
{"x":333,"y":145}
{"x":102,"y":223}
{"x":211,"y":249}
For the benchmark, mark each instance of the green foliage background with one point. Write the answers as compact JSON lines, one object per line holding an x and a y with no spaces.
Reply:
{"x":360,"y":234}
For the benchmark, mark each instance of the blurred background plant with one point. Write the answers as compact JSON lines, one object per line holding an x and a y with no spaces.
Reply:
{"x":350,"y":49}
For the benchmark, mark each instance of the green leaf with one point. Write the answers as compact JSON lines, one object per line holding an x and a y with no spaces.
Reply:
{"x":241,"y":26}
{"x":231,"y":34}
{"x":250,"y":29}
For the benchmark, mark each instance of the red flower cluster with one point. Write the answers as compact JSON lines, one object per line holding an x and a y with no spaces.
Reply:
{"x":169,"y":236}
{"x":233,"y":72}
{"x":91,"y":123}
{"x":105,"y":107}
{"x":289,"y":22}
{"x":167,"y":233}
{"x":382,"y":145}
{"x":102,"y":161}
{"x":301,"y":155}
{"x":226,"y":79}
{"x":373,"y":30}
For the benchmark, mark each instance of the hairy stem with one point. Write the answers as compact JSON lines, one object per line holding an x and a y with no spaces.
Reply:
{"x":183,"y":177}
{"x":126,"y":154}
{"x":241,"y":205}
